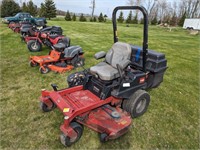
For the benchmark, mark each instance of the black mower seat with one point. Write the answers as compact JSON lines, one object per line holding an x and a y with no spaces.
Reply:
{"x":120,"y":53}
{"x":53,"y":36}
{"x":59,"y":46}
{"x":46,"y":29}
{"x":72,"y":51}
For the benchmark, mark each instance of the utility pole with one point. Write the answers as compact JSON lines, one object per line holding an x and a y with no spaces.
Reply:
{"x":92,"y":7}
{"x":137,"y":3}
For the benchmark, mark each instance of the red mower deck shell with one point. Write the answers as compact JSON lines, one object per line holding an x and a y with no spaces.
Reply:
{"x":78,"y":103}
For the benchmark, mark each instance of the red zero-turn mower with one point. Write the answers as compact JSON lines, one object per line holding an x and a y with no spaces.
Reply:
{"x":34,"y":44}
{"x":15,"y":26}
{"x":106,"y":96}
{"x":60,"y":59}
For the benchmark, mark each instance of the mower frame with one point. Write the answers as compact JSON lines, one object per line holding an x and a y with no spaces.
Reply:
{"x":145,"y":28}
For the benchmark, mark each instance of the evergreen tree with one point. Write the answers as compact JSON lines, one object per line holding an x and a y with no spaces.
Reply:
{"x":74,"y":17}
{"x":68,"y":16}
{"x":105,"y":17}
{"x":129,"y":18}
{"x":42,"y":10}
{"x":91,"y":20}
{"x":121,"y":17}
{"x":135,"y":20}
{"x":31,"y":8}
{"x":100,"y":18}
{"x":154,"y":21}
{"x":24,"y":7}
{"x":50,"y":9}
{"x":82,"y":18}
{"x":9,"y":8}
{"x":142,"y":21}
{"x":181,"y":22}
{"x":95,"y":19}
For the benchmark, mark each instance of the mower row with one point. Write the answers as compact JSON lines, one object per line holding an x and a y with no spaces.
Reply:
{"x":62,"y":57}
{"x":106,"y":96}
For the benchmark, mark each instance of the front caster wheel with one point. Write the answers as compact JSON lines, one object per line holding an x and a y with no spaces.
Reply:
{"x":32,"y":64}
{"x":44,"y":70}
{"x":45,"y":108}
{"x":68,"y":141}
{"x":103,"y":137}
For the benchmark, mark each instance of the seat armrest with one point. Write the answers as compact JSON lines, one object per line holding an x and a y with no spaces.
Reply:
{"x":125,"y":64}
{"x":100,"y":55}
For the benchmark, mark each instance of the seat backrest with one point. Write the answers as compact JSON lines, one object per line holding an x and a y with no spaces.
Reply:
{"x":72,"y":51}
{"x":59,"y":47}
{"x":118,"y":54}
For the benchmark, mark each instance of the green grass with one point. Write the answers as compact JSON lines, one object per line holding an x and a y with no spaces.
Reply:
{"x":171,"y":122}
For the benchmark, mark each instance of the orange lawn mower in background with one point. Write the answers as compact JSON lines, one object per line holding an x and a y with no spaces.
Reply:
{"x":60,"y":59}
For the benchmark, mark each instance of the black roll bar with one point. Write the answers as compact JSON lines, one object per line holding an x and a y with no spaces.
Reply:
{"x":145,"y":30}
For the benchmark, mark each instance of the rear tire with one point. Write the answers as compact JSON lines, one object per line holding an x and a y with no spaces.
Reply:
{"x":34,"y":46}
{"x":137,"y":104}
{"x":66,"y":140}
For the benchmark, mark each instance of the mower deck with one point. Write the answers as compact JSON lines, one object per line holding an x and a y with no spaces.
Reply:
{"x":73,"y":101}
{"x":88,"y":109}
{"x":48,"y":61}
{"x":60,"y":69}
{"x":41,"y":59}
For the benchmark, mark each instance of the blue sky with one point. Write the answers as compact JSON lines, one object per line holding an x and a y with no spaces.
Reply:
{"x":82,"y":6}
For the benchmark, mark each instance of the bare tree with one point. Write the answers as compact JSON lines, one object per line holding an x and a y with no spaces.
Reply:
{"x":196,"y":9}
{"x":151,"y":9}
{"x":134,"y":2}
{"x":191,"y":7}
{"x":130,"y":2}
{"x":92,"y":7}
{"x":163,"y":6}
{"x":168,"y":12}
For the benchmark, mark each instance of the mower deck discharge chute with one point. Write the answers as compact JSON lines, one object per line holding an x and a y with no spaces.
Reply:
{"x":60,"y":59}
{"x":106,"y":96}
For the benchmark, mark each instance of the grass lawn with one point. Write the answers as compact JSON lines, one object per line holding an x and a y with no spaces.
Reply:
{"x":171,"y":122}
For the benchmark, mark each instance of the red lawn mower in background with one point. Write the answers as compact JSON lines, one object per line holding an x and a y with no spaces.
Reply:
{"x":34,"y":43}
{"x":15,"y":26}
{"x":32,"y":31}
{"x":60,"y":59}
{"x":106,"y":96}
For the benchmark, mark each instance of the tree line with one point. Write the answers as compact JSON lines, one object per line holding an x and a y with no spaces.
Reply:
{"x":10,"y":8}
{"x":163,"y":11}
{"x":72,"y":17}
{"x":160,"y":11}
